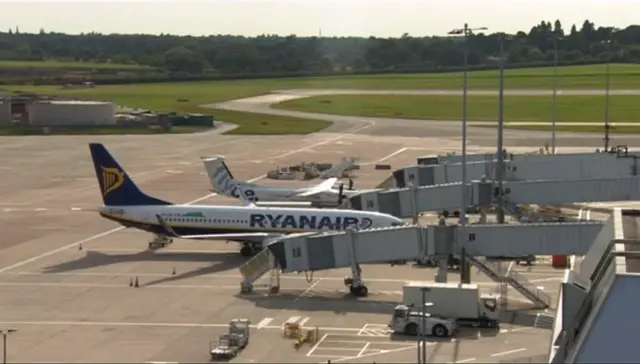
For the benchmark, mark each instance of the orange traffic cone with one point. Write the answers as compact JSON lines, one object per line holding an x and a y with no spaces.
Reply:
{"x":136,"y":284}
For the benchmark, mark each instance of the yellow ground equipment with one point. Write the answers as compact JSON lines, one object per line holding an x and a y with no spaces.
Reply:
{"x":306,"y":336}
{"x":292,"y":327}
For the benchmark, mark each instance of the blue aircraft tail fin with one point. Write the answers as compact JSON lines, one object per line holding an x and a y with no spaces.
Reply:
{"x":116,"y":187}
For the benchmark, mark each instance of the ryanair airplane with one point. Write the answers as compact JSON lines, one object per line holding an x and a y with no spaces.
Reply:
{"x":250,"y":225}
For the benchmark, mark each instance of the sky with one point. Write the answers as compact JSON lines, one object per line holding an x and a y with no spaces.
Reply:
{"x":390,"y":18}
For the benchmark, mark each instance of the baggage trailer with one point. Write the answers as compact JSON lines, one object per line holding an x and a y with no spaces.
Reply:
{"x":229,"y":345}
{"x":462,"y":302}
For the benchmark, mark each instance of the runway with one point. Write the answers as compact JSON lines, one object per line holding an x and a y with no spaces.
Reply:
{"x":433,"y":128}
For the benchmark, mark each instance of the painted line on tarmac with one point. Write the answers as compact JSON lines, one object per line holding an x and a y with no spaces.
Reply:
{"x":508,"y":352}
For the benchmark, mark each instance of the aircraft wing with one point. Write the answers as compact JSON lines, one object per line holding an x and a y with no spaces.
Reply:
{"x":324,"y":186}
{"x":233,"y":236}
{"x":283,"y":204}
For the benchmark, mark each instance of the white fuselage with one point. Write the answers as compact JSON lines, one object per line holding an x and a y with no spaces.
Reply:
{"x":192,"y":219}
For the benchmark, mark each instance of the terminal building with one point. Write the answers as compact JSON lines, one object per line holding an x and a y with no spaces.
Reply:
{"x":71,"y":113}
{"x":35,"y":111}
{"x":596,"y":318}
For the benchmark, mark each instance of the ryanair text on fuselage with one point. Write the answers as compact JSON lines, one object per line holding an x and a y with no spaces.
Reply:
{"x":308,"y":222}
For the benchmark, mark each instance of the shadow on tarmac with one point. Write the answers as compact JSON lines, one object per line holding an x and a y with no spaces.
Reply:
{"x":220,"y":262}
{"x":339,"y":302}
{"x":527,"y":318}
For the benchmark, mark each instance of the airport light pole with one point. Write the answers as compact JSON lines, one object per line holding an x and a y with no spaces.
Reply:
{"x":606,"y":94}
{"x":500,"y":170}
{"x":554,"y":112}
{"x":465,"y":32}
{"x":4,"y":334}
{"x":423,"y":334}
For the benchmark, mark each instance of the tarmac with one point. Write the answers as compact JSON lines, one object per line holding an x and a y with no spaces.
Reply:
{"x":65,"y":273}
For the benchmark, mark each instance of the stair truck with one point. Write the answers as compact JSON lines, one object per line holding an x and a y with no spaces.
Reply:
{"x":461,"y":302}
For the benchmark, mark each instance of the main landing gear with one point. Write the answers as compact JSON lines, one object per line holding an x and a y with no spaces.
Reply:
{"x":160,"y":241}
{"x":356,"y":284}
{"x":248,"y":250}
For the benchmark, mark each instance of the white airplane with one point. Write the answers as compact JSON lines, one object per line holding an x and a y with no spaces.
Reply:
{"x":250,"y":225}
{"x":321,"y":195}
{"x":337,"y":170}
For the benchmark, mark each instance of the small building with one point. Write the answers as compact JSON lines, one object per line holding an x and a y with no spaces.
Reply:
{"x":5,"y":111}
{"x":71,"y":113}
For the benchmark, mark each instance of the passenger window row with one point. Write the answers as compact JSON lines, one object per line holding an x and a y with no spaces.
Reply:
{"x":210,"y":221}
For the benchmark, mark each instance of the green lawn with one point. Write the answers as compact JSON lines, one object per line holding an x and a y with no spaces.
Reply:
{"x":164,"y":96}
{"x":623,"y":108}
{"x":576,"y":128}
{"x":67,"y":65}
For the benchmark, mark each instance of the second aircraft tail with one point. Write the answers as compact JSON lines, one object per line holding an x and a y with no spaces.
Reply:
{"x":220,"y":177}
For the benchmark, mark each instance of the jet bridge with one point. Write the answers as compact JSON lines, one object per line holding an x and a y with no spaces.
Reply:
{"x":409,"y":202}
{"x":521,"y":167}
{"x":620,"y":150}
{"x":353,"y":248}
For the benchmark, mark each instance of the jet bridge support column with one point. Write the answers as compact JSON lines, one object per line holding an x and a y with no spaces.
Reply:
{"x":355,"y":282}
{"x":483,"y":209}
{"x":443,"y":269}
{"x":442,"y":257}
{"x":414,"y":203}
{"x":465,"y":267}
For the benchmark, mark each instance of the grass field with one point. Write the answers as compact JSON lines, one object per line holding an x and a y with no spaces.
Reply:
{"x":577,"y":129}
{"x":163,"y":96}
{"x":622,"y":108}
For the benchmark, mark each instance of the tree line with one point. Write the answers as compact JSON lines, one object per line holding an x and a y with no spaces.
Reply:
{"x":287,"y":55}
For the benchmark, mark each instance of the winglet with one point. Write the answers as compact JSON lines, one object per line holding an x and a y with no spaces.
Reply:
{"x":168,"y":229}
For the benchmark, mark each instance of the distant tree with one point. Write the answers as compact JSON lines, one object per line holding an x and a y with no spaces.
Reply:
{"x":557,"y":29}
{"x":286,"y":55}
{"x":325,"y":64}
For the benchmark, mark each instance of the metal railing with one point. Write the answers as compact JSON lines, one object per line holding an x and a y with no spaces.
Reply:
{"x":529,"y":289}
{"x":257,"y":266}
{"x":514,"y":279}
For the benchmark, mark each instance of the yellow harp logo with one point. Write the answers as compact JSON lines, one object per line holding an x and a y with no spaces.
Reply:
{"x":112,"y":178}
